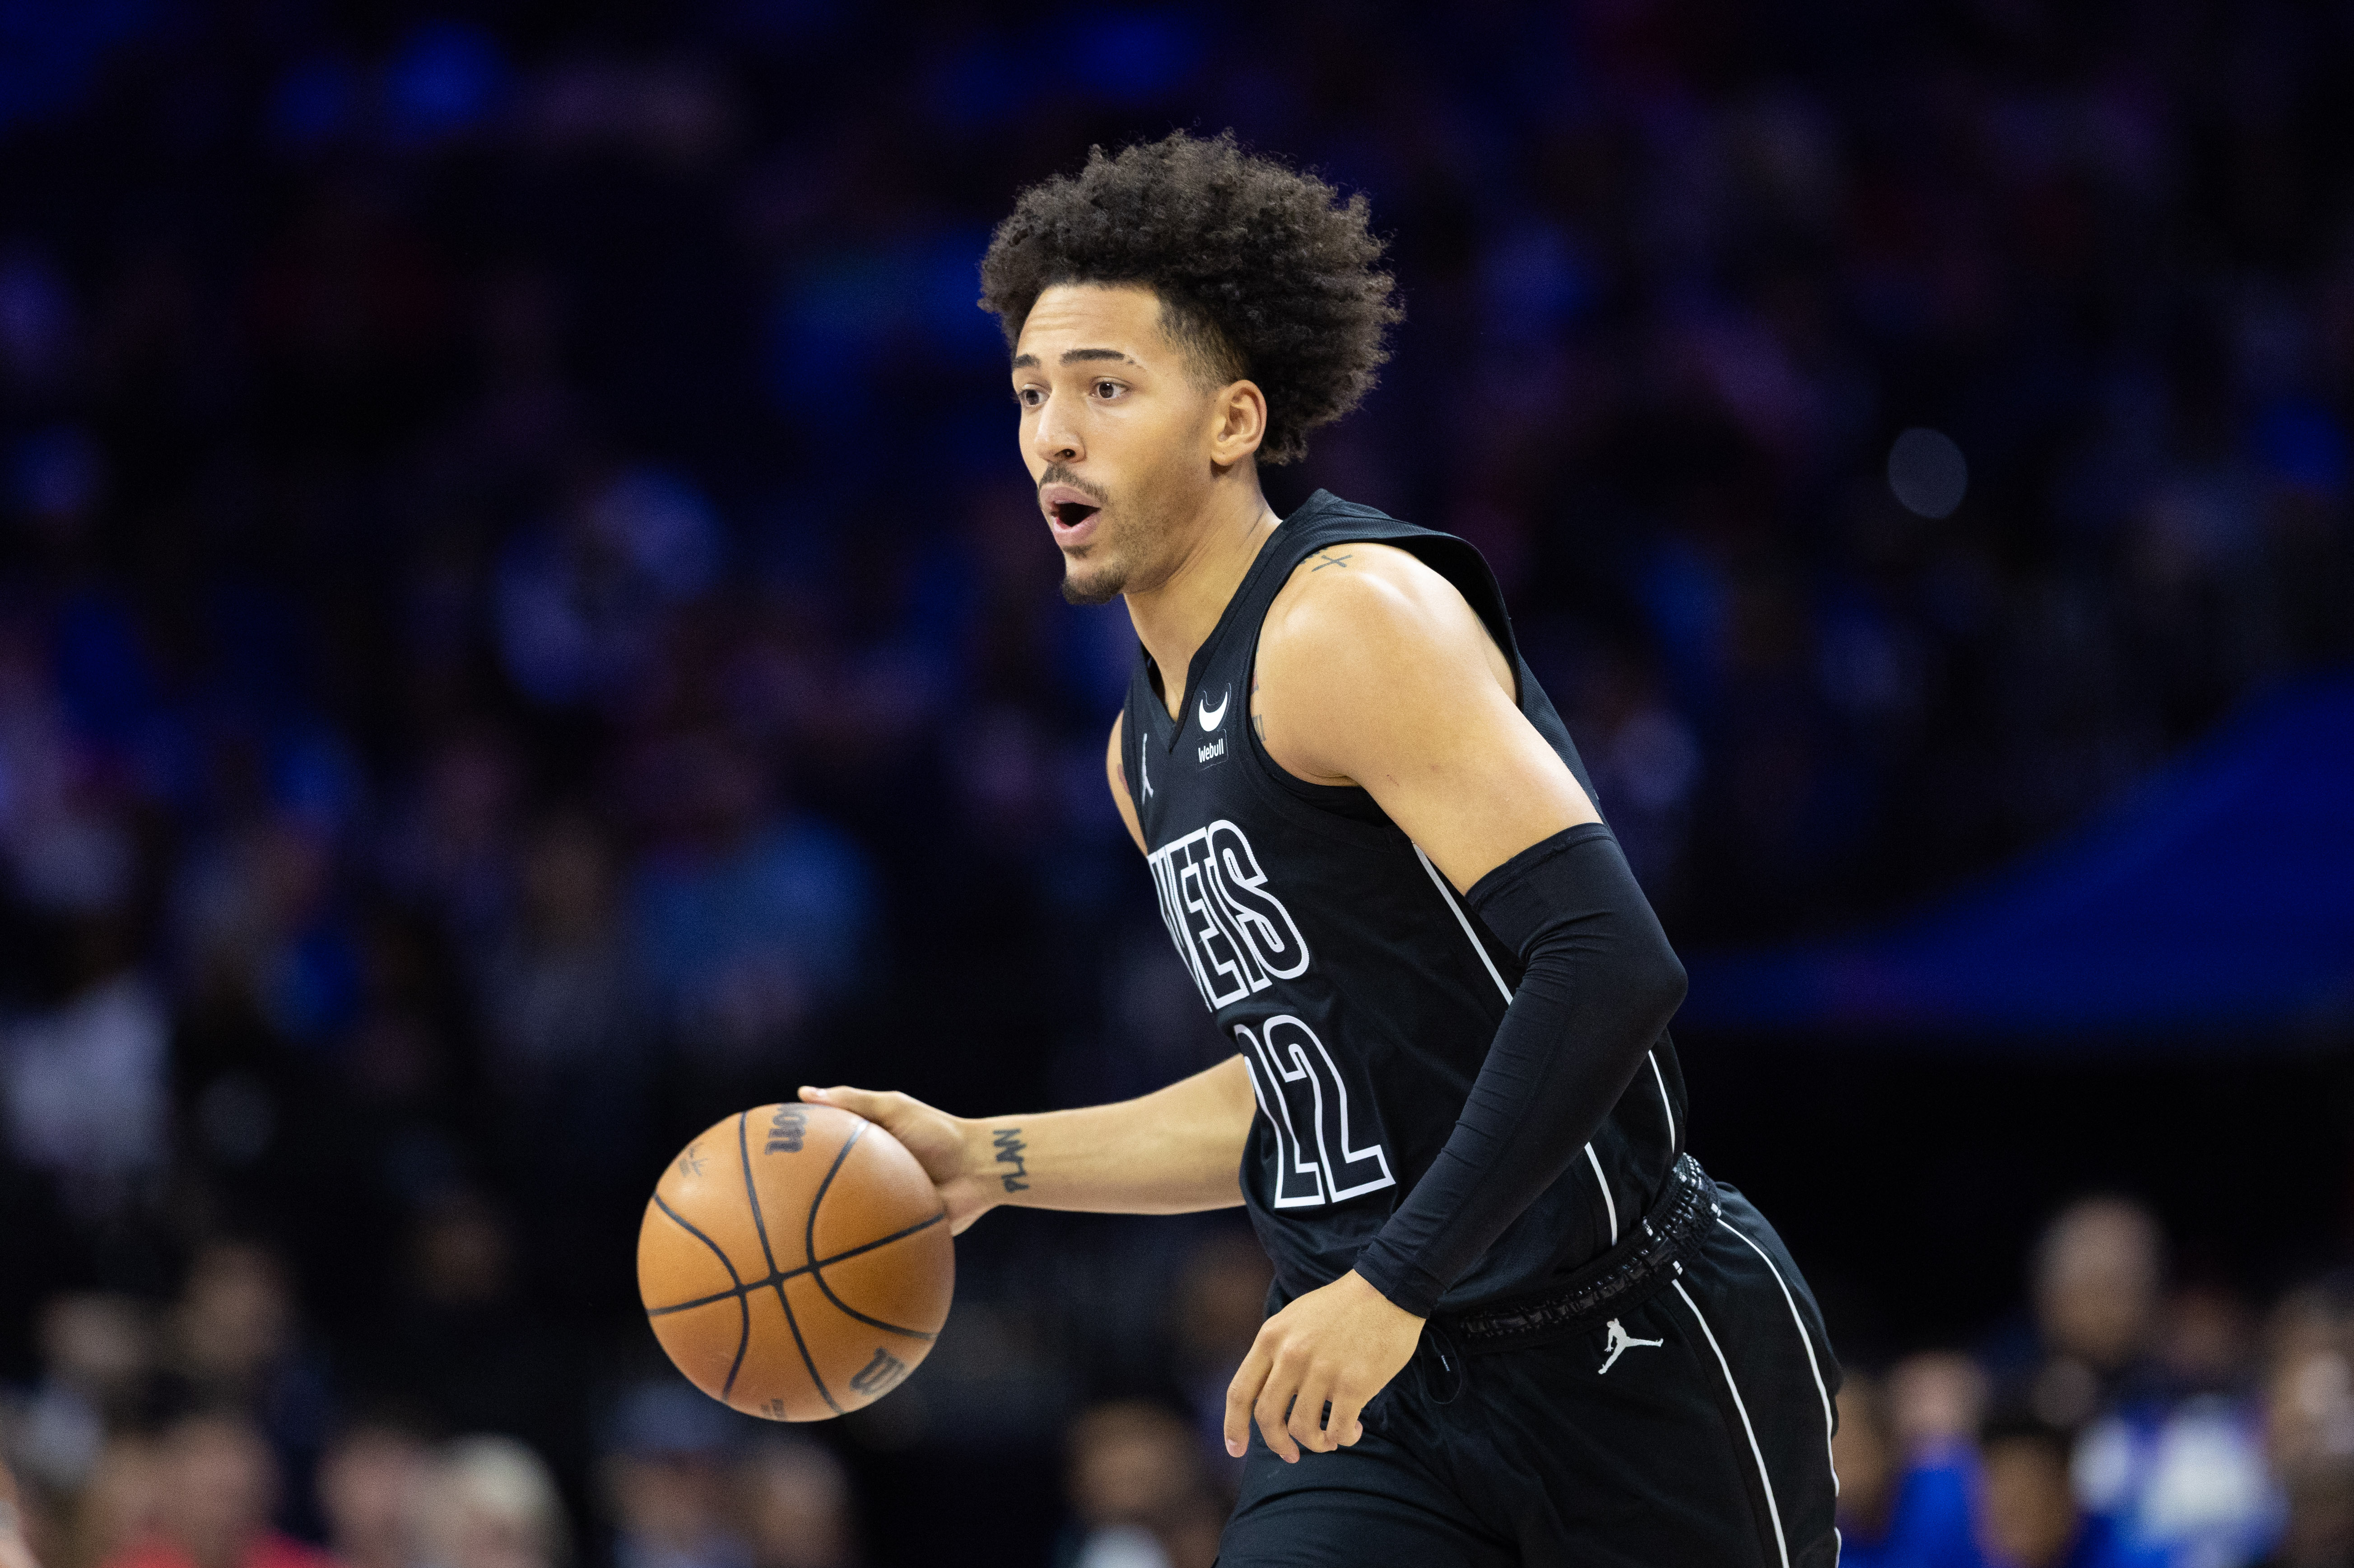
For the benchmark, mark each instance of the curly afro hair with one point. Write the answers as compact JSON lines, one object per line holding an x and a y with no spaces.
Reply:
{"x":1263,"y":272}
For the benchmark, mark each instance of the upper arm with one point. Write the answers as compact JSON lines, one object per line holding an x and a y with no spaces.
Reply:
{"x":1381,"y":674}
{"x":1231,"y":1080}
{"x":1116,"y":773}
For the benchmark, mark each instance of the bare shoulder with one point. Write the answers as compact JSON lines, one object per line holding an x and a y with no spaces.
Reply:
{"x":1362,"y":637}
{"x":1357,"y":585}
{"x":1348,"y":612}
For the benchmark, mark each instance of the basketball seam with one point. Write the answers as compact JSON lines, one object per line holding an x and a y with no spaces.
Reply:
{"x":802,"y":1345}
{"x":744,"y":1330}
{"x":817,"y":1270}
{"x":745,"y":1287}
{"x":752,"y":1192}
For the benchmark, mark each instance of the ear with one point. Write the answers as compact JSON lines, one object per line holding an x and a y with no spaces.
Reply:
{"x":1237,"y":422}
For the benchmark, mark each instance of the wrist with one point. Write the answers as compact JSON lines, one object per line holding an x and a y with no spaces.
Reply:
{"x":1403,"y":1283}
{"x":997,"y":1157}
{"x":1368,"y":1287}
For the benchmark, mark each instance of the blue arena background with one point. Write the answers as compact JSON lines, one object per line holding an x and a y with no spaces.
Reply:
{"x":522,"y":630}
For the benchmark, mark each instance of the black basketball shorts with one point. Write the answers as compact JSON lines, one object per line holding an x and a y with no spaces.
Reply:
{"x":1690,"y":1431}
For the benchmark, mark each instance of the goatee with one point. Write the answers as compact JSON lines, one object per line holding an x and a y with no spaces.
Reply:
{"x":1102,"y":590}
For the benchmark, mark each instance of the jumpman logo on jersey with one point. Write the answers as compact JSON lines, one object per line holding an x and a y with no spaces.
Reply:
{"x":1212,"y":720}
{"x":1144,"y":760}
{"x":1621,"y":1341}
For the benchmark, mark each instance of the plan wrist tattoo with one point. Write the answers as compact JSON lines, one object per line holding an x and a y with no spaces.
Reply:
{"x":1010,"y":1152}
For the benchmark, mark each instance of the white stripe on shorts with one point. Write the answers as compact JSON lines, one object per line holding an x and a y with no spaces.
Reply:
{"x":1773,"y":1509}
{"x":1813,"y":1365}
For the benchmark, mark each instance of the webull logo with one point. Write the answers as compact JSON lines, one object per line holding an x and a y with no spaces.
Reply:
{"x":1211,"y":752}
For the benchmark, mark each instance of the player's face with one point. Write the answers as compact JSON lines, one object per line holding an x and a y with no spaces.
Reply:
{"x":1115,"y":430}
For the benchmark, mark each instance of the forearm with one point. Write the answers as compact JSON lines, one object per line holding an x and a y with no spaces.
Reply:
{"x":1173,"y":1152}
{"x":1601,"y":983}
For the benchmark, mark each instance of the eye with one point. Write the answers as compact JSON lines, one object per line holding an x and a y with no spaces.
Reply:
{"x":1029,"y":397}
{"x":1108,"y":390}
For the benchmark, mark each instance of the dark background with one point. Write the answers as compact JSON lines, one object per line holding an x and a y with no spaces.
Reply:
{"x":522,"y":629}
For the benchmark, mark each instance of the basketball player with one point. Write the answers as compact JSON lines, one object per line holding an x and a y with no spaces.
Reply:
{"x":1517,"y":1323}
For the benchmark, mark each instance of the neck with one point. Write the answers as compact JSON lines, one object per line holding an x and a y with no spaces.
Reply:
{"x":1175,"y":615}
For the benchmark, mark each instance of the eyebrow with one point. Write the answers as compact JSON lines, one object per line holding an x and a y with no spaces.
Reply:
{"x":1078,"y":356}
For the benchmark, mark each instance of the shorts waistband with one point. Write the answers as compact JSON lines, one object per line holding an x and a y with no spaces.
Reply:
{"x":1631,"y":1272}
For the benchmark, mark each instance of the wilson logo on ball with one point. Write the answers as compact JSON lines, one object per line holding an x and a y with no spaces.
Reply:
{"x":880,"y":1374}
{"x":786,"y":1130}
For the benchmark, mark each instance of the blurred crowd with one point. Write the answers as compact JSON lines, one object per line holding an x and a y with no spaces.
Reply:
{"x":117,"y":1473}
{"x":2132,"y":1414}
{"x":219,"y":1430}
{"x":522,"y":630}
{"x":2133,"y":1417}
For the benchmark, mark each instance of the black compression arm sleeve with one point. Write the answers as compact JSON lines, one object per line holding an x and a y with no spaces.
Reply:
{"x":1601,"y":983}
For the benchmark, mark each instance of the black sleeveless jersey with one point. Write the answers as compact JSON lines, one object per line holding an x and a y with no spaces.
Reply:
{"x":1360,"y":991}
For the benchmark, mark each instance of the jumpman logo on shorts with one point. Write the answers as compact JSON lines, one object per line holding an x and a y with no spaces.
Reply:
{"x":1621,"y":1341}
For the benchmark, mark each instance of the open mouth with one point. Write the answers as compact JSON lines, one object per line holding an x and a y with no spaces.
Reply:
{"x":1070,"y":509}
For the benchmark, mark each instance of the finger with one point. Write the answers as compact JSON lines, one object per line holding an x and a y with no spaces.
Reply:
{"x":867,"y":1103}
{"x":1241,"y":1395}
{"x":1345,"y":1426}
{"x":1307,"y":1422}
{"x":1274,"y":1412}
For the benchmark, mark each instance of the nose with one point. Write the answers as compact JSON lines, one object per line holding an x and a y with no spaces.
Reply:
{"x":1055,"y":436}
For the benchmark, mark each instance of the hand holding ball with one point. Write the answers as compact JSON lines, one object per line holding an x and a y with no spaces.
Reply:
{"x":795,"y":1262}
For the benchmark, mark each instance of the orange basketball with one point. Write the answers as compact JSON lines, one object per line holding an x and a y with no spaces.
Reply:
{"x":795,"y":1262}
